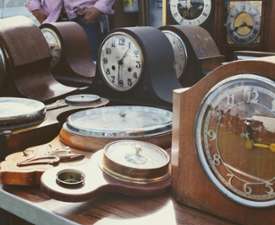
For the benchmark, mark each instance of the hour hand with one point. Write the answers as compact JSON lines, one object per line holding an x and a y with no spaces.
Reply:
{"x":250,"y":144}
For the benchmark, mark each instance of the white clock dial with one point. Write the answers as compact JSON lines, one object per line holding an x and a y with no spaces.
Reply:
{"x":190,"y":12}
{"x":244,"y":22}
{"x":180,"y":51}
{"x":54,"y":44}
{"x":121,"y":61}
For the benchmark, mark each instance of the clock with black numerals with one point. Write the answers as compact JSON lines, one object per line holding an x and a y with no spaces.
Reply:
{"x":136,"y":66}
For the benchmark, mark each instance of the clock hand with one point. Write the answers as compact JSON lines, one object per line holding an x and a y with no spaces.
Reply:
{"x":124,"y":55}
{"x":249,"y":144}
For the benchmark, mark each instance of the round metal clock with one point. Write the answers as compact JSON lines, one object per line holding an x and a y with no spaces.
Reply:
{"x":54,"y":43}
{"x":90,"y":130}
{"x":190,"y":12}
{"x":235,"y":133}
{"x":180,"y":51}
{"x":244,"y":23}
{"x":20,"y":112}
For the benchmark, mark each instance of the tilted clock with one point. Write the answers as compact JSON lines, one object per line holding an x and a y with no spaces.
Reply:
{"x":224,"y":131}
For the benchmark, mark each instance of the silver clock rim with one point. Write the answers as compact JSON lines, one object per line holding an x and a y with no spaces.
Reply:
{"x":202,"y":158}
{"x":196,"y":21}
{"x":185,"y":50}
{"x":58,"y":41}
{"x":101,"y":66}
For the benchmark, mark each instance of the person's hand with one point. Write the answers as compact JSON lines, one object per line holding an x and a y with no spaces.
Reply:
{"x":39,"y":15}
{"x":90,"y":15}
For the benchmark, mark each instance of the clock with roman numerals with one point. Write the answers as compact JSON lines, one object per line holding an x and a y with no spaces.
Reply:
{"x":136,"y":66}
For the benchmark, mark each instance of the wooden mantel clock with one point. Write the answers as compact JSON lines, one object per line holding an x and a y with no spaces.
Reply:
{"x":223,"y":149}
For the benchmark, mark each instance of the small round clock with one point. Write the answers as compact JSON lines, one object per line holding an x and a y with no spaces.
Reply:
{"x":190,"y":12}
{"x":244,"y":23}
{"x":54,"y":43}
{"x":137,"y":63}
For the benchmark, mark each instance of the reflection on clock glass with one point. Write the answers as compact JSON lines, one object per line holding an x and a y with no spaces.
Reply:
{"x":235,"y":138}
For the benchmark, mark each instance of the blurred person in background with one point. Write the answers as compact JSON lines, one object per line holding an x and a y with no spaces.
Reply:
{"x":87,"y":13}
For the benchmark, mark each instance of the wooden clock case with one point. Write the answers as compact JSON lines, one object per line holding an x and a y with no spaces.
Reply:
{"x":203,"y":54}
{"x":191,"y":186}
{"x":158,"y":77}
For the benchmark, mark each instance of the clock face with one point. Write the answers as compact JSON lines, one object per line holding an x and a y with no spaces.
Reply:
{"x":180,"y":51}
{"x":190,"y":12}
{"x":235,"y":139}
{"x":121,"y":61}
{"x":244,"y":22}
{"x":54,"y":44}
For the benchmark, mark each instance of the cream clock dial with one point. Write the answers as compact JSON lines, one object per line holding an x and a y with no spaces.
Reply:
{"x":121,"y":61}
{"x":244,"y":22}
{"x":190,"y":12}
{"x":54,"y":45}
{"x":180,"y":52}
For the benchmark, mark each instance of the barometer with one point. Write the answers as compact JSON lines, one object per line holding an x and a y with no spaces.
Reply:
{"x":128,"y":167}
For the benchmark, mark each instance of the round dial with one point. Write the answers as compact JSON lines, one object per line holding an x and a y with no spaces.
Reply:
{"x":121,"y":61}
{"x":244,"y":23}
{"x":120,"y":122}
{"x":135,"y":160}
{"x":180,"y":52}
{"x":235,"y":133}
{"x":54,"y":44}
{"x":190,"y":12}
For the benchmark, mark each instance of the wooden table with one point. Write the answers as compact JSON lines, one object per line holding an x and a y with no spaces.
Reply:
{"x":35,"y":207}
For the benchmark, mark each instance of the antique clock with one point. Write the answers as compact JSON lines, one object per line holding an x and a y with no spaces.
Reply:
{"x":190,"y":12}
{"x":195,"y":52}
{"x":245,"y":23}
{"x":136,"y":66}
{"x":224,"y":132}
{"x":71,"y":61}
{"x":25,"y":58}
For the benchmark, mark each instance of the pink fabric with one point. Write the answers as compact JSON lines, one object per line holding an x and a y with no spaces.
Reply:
{"x":52,"y":8}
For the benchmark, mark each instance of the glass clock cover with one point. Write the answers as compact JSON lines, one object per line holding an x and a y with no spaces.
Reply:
{"x":13,"y":110}
{"x":121,"y":61}
{"x":235,"y":138}
{"x":120,"y":122}
{"x":54,"y":44}
{"x":190,"y":12}
{"x":81,"y":99}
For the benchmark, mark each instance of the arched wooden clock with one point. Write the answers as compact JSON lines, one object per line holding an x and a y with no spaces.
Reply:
{"x":195,"y":52}
{"x":245,"y":22}
{"x":71,"y":60}
{"x":224,"y":132}
{"x":136,"y":66}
